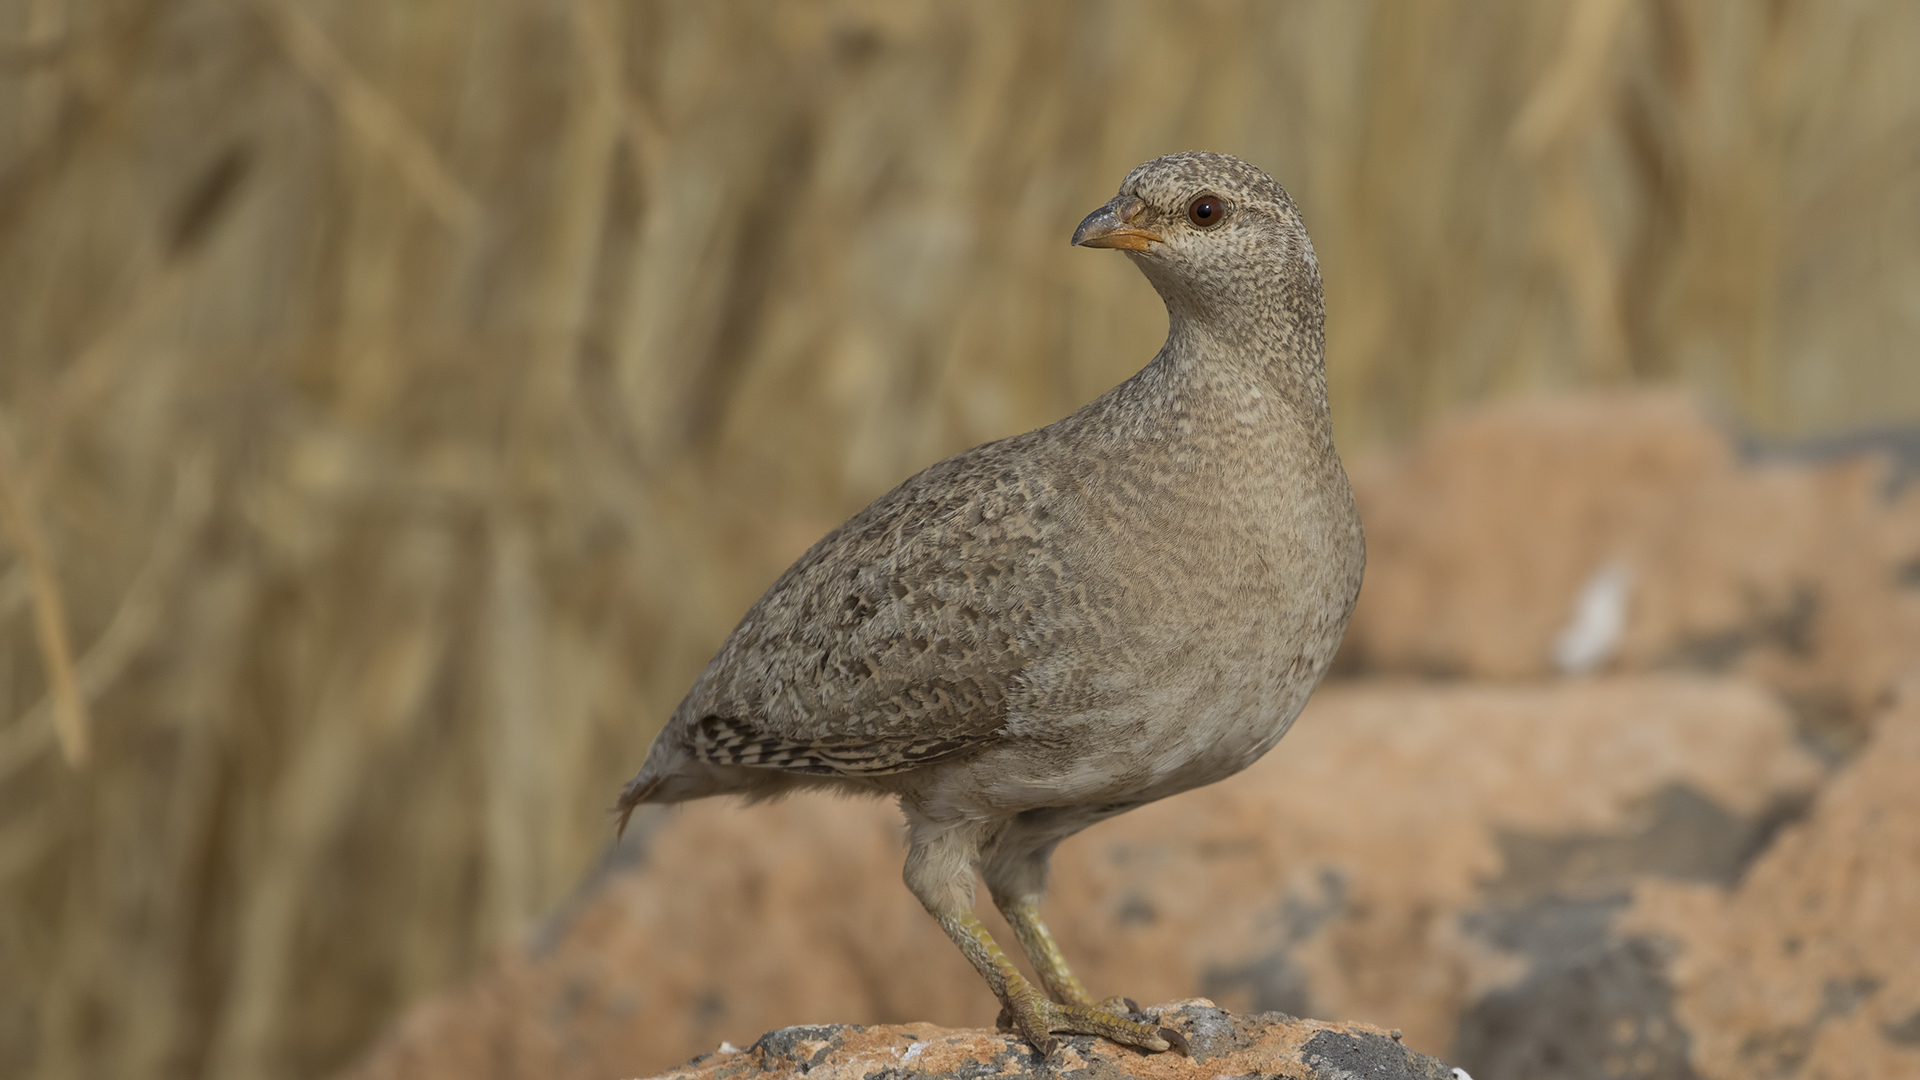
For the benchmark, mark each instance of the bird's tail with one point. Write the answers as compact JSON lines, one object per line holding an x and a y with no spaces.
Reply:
{"x":641,"y":790}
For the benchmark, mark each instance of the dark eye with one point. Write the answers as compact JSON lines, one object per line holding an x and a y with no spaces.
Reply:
{"x":1207,"y":211}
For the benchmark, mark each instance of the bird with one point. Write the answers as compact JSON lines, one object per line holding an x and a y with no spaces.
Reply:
{"x":1043,"y":632}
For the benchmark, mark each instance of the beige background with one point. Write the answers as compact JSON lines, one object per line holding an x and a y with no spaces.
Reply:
{"x":399,"y":401}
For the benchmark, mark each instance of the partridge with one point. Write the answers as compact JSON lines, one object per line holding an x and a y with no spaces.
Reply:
{"x":1045,"y":631}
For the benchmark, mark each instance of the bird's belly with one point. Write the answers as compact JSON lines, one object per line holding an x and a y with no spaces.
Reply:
{"x":1209,"y":730}
{"x":1170,"y":731}
{"x":1197,"y":676}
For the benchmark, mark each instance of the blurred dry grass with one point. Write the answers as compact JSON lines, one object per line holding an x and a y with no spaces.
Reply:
{"x":399,"y":401}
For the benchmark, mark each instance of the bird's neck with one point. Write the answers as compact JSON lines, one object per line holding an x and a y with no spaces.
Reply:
{"x":1264,"y":331}
{"x":1274,"y":350}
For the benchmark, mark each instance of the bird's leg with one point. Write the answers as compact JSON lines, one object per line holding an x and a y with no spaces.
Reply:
{"x":1061,"y":984}
{"x":1017,"y":880}
{"x":1043,"y":952}
{"x":940,"y":872}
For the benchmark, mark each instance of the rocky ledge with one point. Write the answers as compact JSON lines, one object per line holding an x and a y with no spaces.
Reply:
{"x":1220,"y":1044}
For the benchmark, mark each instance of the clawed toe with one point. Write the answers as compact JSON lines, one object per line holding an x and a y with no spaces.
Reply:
{"x":1177,"y":1041}
{"x":1039,"y":1020}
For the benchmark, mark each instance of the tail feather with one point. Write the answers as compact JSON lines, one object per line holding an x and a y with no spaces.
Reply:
{"x":673,"y":775}
{"x":641,"y":790}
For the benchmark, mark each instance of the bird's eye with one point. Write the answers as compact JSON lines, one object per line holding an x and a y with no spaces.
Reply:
{"x":1207,"y":211}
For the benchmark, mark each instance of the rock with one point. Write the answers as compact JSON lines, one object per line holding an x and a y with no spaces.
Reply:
{"x":1407,"y":855}
{"x":1810,"y":966}
{"x":1806,"y":965}
{"x":1223,"y":1045}
{"x":1486,"y":537}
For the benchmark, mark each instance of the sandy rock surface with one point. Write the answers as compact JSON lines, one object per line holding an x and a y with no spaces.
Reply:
{"x":1800,"y":570}
{"x":1221,"y":1044}
{"x":1811,"y":966}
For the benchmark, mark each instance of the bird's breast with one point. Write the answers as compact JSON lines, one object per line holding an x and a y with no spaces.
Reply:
{"x":1221,"y":601}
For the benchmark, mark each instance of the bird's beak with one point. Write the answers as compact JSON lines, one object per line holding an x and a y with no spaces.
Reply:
{"x":1108,"y":226}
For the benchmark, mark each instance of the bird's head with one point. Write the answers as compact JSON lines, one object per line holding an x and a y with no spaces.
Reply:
{"x":1215,"y":235}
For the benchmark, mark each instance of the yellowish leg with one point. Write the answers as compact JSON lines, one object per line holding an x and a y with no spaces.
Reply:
{"x":1033,"y":1015}
{"x":1017,"y":877}
{"x":939,"y":870}
{"x":1050,"y":963}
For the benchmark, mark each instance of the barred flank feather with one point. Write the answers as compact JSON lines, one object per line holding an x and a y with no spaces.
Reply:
{"x":724,"y":740}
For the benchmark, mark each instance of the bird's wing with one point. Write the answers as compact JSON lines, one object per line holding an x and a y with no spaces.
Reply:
{"x":899,"y":639}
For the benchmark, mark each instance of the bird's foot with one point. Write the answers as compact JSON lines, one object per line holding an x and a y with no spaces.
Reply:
{"x":1038,"y":1020}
